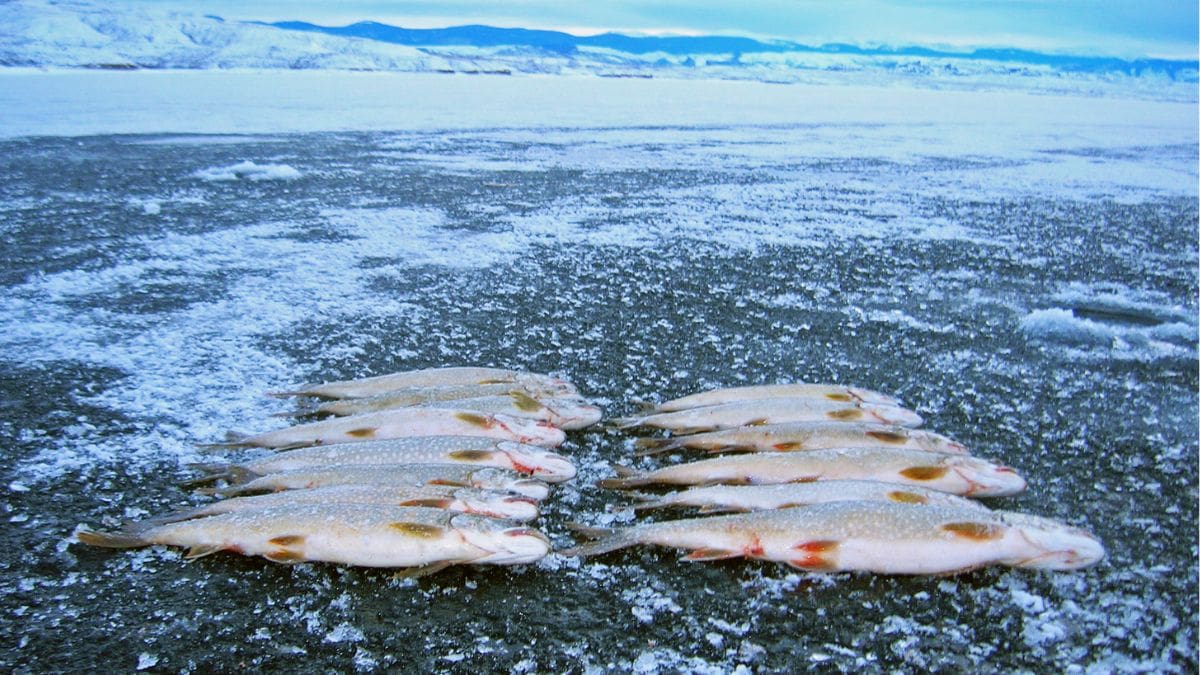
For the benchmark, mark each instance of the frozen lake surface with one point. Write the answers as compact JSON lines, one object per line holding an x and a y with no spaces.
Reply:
{"x":1022,"y":270}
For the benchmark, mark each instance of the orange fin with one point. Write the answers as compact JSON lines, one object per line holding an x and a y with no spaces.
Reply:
{"x":975,"y":531}
{"x":365,"y":432}
{"x":470,"y":455}
{"x":788,"y":447}
{"x":815,"y":554}
{"x":431,"y":503}
{"x":924,"y":472}
{"x":894,"y":437}
{"x":905,"y":497}
{"x":701,"y":554}
{"x":418,"y":530}
{"x":287,"y":540}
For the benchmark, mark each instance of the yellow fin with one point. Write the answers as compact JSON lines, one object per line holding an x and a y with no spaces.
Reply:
{"x":284,"y":556}
{"x":907,"y":497}
{"x":365,"y":432}
{"x":924,"y":472}
{"x":845,"y":414}
{"x":470,"y":455}
{"x":201,"y":551}
{"x":525,"y":402}
{"x":474,"y":419}
{"x":975,"y":531}
{"x":839,"y":396}
{"x":788,"y":447}
{"x":287,"y":540}
{"x":888,"y":436}
{"x":418,"y":530}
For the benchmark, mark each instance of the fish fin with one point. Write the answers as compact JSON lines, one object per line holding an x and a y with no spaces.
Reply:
{"x":626,"y":422}
{"x":424,"y":570}
{"x":431,"y":503}
{"x":654,"y":446}
{"x":471,"y":455}
{"x":364,"y":432}
{"x":805,"y":479}
{"x":231,"y":473}
{"x":975,"y":531}
{"x":448,"y":481}
{"x":418,"y":530}
{"x":687,"y":431}
{"x":924,"y":472}
{"x":111,"y":539}
{"x":626,"y":478}
{"x":524,"y":402}
{"x":703,"y":554}
{"x":843,"y":397}
{"x":234,"y":440}
{"x":195,"y":552}
{"x":288,"y":549}
{"x":604,"y":540}
{"x":791,"y":505}
{"x":788,"y":447}
{"x":475,"y":419}
{"x":887,"y":436}
{"x":714,"y":508}
{"x":284,"y":556}
{"x":814,"y":555}
{"x":906,"y":497}
{"x":757,"y":422}
{"x":845,"y":414}
{"x":625,"y":471}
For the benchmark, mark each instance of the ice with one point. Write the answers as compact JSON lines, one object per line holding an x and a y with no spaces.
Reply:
{"x":247,"y":170}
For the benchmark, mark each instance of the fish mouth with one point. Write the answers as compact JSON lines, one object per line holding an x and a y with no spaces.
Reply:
{"x":530,"y":487}
{"x":512,"y":546}
{"x":548,"y":466}
{"x":998,"y":481}
{"x":510,"y":507}
{"x":1066,"y":549}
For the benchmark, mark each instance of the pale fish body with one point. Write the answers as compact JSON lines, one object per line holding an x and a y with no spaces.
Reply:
{"x":477,"y":450}
{"x":392,"y":475}
{"x":799,"y":436}
{"x":401,"y":398}
{"x":404,"y":422}
{"x":716,"y":498}
{"x":831,"y":392}
{"x":888,"y":538}
{"x":490,"y":503}
{"x":957,"y":474}
{"x":564,"y":413}
{"x":368,"y":535}
{"x":429,"y":377}
{"x":772,"y":411}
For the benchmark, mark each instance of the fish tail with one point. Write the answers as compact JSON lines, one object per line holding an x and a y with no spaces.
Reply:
{"x":654,"y":446}
{"x":626,"y":478}
{"x":234,"y":440}
{"x":647,"y":501}
{"x":298,"y":390}
{"x":603,"y":540}
{"x":111,"y":539}
{"x":174,"y":517}
{"x":626,"y":422}
{"x":214,"y":471}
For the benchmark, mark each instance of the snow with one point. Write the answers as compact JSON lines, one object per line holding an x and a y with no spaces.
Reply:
{"x":247,"y":170}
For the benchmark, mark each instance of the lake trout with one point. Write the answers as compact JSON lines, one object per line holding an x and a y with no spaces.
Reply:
{"x":957,"y":474}
{"x":831,"y":392}
{"x":771,"y":411}
{"x":491,"y":503}
{"x":429,"y":377}
{"x":799,"y":436}
{"x":400,"y":423}
{"x":391,"y":475}
{"x":478,"y":450}
{"x":564,"y":413}
{"x":882,"y":537}
{"x":367,"y":535}
{"x":721,"y":498}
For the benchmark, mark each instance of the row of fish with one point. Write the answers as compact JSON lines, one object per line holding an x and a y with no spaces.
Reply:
{"x":824,"y":488}
{"x":420,"y":469}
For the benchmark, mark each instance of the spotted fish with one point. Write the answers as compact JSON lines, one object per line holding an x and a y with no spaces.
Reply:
{"x":957,"y":474}
{"x":368,"y":535}
{"x":390,"y":475}
{"x":798,"y":436}
{"x":478,"y":450}
{"x":771,"y":411}
{"x":564,"y":413}
{"x":401,"y":423}
{"x":882,"y":537}
{"x":429,"y":377}
{"x":719,"y":498}
{"x":830,"y":392}
{"x":490,"y":503}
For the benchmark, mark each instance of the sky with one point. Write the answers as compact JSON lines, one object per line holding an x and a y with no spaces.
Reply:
{"x":1130,"y":28}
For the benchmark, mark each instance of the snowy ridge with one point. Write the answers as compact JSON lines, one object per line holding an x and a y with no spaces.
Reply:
{"x":80,"y":34}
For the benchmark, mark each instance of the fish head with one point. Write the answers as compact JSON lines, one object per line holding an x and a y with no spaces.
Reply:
{"x":529,"y":431}
{"x":573,"y":413}
{"x":506,"y":480}
{"x":889,"y":414}
{"x":1061,"y":546}
{"x":985,"y":478}
{"x":498,"y":504}
{"x":535,"y":461}
{"x":504,"y":544}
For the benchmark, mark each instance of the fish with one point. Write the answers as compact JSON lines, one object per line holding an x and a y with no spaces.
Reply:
{"x":400,"y":423}
{"x":770,"y":411}
{"x":390,"y":475}
{"x":723,"y":498}
{"x":429,"y":377}
{"x":831,"y":392}
{"x":410,"y":396}
{"x":868,"y":536}
{"x":798,"y":436}
{"x":957,"y":474}
{"x":368,"y":535}
{"x":492,"y":503}
{"x":564,"y":413}
{"x":477,"y":450}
